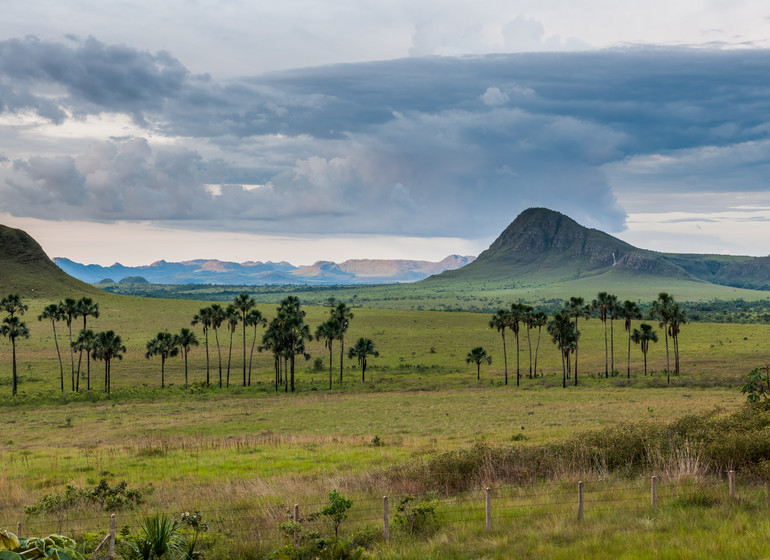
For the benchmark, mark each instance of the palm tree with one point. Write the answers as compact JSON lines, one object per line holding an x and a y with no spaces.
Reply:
{"x":628,"y":311}
{"x":562,"y":332}
{"x":341,"y":313}
{"x":218,"y":316}
{"x":163,"y":345}
{"x":603,"y":305}
{"x":363,"y":348}
{"x":577,"y":308}
{"x":477,"y":356}
{"x":676,"y":318}
{"x":85,"y":342}
{"x":233,"y":317}
{"x":328,"y":331}
{"x":203,"y":317}
{"x":271,"y":340}
{"x":254,"y":319}
{"x":85,"y":308}
{"x":643,"y":336}
{"x":12,"y":305}
{"x":244,"y":303}
{"x":54,"y":313}
{"x":185,"y":340}
{"x":14,"y":328}
{"x":293,"y":332}
{"x":661,"y":309}
{"x":500,"y":321}
{"x":538,"y":320}
{"x":69,"y":309}
{"x":516,"y":315}
{"x":107,"y":347}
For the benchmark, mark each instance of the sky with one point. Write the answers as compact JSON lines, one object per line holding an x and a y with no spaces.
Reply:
{"x":300,"y":131}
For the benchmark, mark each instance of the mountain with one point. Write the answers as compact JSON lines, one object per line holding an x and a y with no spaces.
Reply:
{"x":542,"y":246}
{"x":363,"y":271}
{"x":25,"y":269}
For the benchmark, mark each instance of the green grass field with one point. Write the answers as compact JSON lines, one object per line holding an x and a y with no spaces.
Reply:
{"x":250,"y":449}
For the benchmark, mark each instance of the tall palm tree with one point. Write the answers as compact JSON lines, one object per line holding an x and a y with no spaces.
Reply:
{"x":477,"y":356}
{"x":577,"y":308}
{"x":203,"y":318}
{"x":500,"y":321}
{"x":516,"y":315}
{"x":53,"y":312}
{"x":603,"y":305}
{"x":244,"y":303}
{"x":676,"y":318}
{"x":69,"y":309}
{"x":628,"y":311}
{"x":271,"y":340}
{"x":254,"y":319}
{"x":538,"y":320}
{"x":185,"y":340}
{"x":643,"y":336}
{"x":363,"y":348}
{"x":562,"y":333}
{"x":661,"y":309}
{"x":14,"y":328}
{"x":85,"y":343}
{"x":85,"y":308}
{"x":294,"y":332}
{"x":218,"y":316}
{"x":343,"y":314}
{"x":107,"y":347}
{"x":328,"y":331}
{"x":233,"y":318}
{"x":164,"y":345}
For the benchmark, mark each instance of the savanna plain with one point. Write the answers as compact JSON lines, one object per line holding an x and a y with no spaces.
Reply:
{"x":420,"y":425}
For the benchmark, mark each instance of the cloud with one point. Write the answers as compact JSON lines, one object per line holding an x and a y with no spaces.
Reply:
{"x":434,"y":146}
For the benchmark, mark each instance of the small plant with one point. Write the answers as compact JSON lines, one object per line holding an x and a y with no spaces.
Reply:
{"x":195,"y":521}
{"x":52,"y":546}
{"x":758,"y":386}
{"x":337,"y":510}
{"x":417,"y":517}
{"x":377,"y":442}
{"x":318,"y":364}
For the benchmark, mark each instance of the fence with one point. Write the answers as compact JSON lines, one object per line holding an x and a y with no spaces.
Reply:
{"x":488,"y":509}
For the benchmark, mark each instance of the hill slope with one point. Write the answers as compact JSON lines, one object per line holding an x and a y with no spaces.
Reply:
{"x":25,"y":269}
{"x":545,"y":247}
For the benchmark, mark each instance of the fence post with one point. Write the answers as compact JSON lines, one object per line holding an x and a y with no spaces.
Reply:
{"x":385,"y":518}
{"x":654,"y":497}
{"x":489,"y":508}
{"x":18,"y":529}
{"x":296,"y":520}
{"x":113,"y":531}
{"x":731,"y":481}
{"x":580,"y":500}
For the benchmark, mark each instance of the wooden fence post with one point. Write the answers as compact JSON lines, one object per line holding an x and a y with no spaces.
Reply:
{"x":385,"y":518}
{"x":489,"y":508}
{"x":18,"y":529}
{"x":654,"y":497}
{"x":731,"y":482}
{"x":580,"y":500}
{"x":113,"y":532}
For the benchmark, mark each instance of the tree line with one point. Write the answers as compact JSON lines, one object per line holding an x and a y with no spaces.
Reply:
{"x":285,"y":336}
{"x":565,"y":334}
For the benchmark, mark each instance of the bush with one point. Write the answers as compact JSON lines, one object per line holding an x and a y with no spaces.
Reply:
{"x":417,"y":517}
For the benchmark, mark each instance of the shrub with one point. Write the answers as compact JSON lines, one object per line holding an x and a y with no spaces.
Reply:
{"x":417,"y":517}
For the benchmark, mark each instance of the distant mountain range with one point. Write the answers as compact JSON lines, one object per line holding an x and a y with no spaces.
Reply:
{"x":361,"y":271}
{"x":542,"y":246}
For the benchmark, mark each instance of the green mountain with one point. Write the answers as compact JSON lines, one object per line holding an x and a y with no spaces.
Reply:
{"x":542,"y":246}
{"x":26,"y":270}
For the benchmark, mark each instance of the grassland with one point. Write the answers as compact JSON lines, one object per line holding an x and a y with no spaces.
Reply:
{"x":243,"y":455}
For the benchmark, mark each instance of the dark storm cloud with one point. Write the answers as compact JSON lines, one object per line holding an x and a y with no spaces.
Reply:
{"x":427,"y":146}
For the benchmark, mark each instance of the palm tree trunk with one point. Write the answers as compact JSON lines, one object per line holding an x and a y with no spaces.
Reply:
{"x":629,"y":351}
{"x":529,"y":346}
{"x":77,"y":375}
{"x":505,"y":358}
{"x":251,"y":355}
{"x":606,"y":352}
{"x":563,"y":369}
{"x":277,"y":367}
{"x":162,"y":371}
{"x":612,"y":347}
{"x":72,"y":357}
{"x":330,"y":365}
{"x":342,"y":353}
{"x":576,"y":350}
{"x":208,"y":371}
{"x":363,"y":371}
{"x":15,"y":380}
{"x":668,"y":368}
{"x":58,"y":353}
{"x":219,"y":355}
{"x":676,"y":354}
{"x":292,"y":371}
{"x":518,"y":374}
{"x":244,"y":349}
{"x":88,"y":370}
{"x":478,"y":371}
{"x":229,"y":357}
{"x":185,"y":368}
{"x":537,"y":347}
